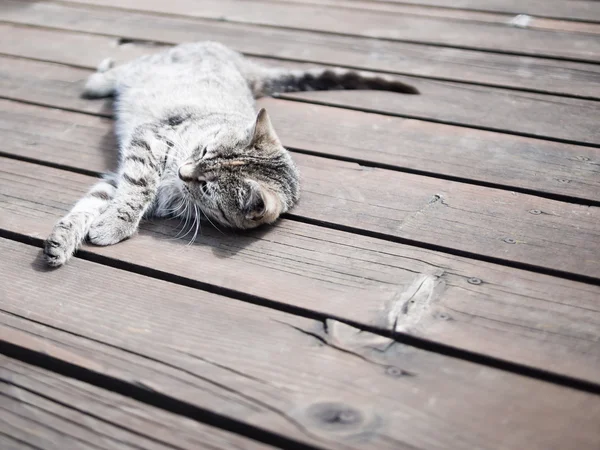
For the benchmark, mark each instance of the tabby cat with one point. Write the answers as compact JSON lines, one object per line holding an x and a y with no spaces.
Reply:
{"x":192,"y":145}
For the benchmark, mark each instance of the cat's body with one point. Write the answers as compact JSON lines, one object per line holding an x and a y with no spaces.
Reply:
{"x":191,"y":144}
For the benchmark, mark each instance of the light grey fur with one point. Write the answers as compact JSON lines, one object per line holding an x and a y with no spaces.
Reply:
{"x":191,"y":144}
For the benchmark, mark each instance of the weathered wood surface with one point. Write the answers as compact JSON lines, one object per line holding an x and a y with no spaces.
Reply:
{"x":531,"y":319}
{"x":461,"y":14}
{"x":376,"y":24}
{"x":568,"y":119}
{"x":234,"y":359}
{"x":457,"y":152}
{"x":51,"y":411}
{"x":542,"y":116}
{"x":587,"y":10}
{"x":514,"y":227}
{"x":535,"y":73}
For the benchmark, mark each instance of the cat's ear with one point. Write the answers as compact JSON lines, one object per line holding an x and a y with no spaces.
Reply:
{"x":261,"y":204}
{"x":263,"y":132}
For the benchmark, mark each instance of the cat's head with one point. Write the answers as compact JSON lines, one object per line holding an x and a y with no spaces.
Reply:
{"x":242,"y":178}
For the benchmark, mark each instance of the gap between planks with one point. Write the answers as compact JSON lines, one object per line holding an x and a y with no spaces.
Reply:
{"x":566,"y":170}
{"x":446,"y":33}
{"x":379,"y":213}
{"x":363,"y":295}
{"x":184,"y":364}
{"x":69,"y":414}
{"x":414,"y":59}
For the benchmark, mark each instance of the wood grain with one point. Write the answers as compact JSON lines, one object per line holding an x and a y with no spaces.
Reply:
{"x":587,"y":10}
{"x":519,"y":316}
{"x":333,"y":392}
{"x":51,"y":411}
{"x":538,"y":115}
{"x":377,"y":24}
{"x":463,"y":153}
{"x":535,"y":73}
{"x":534,"y":115}
{"x":503,"y":18}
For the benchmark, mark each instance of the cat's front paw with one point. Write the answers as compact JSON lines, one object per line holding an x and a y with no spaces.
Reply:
{"x":111,"y":228}
{"x":60,"y":245}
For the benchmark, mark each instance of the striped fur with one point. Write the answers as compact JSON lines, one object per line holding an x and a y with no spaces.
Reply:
{"x":191,"y":144}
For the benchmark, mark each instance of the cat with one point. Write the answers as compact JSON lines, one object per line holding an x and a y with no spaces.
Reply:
{"x":191,"y":143}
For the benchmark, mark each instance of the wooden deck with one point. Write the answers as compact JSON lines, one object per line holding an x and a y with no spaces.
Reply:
{"x":438,"y":287}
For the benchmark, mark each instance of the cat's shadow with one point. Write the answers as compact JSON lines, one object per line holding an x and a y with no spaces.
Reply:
{"x":223,"y":243}
{"x":39,"y":264}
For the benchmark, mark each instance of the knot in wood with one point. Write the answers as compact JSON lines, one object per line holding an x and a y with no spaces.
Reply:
{"x":336,"y":415}
{"x":535,"y":212}
{"x":394,"y":371}
{"x":443,"y":316}
{"x":509,"y":241}
{"x":474,"y":280}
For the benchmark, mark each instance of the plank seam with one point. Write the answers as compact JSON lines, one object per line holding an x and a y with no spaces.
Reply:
{"x":455,"y":8}
{"x":595,"y":281}
{"x":432,"y":120}
{"x":323,"y":64}
{"x":506,"y":15}
{"x":374,"y":234}
{"x":366,"y":163}
{"x":327,"y":33}
{"x":398,"y":336}
{"x":148,"y":397}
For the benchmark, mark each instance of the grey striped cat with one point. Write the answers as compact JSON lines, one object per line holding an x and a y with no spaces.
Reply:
{"x":192,"y":145}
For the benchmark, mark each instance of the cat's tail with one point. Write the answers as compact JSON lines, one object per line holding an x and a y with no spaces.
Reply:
{"x":272,"y":81}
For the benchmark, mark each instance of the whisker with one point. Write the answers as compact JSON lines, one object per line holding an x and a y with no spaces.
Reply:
{"x":211,"y":222}
{"x":197,"y":220}
{"x":187,"y":218}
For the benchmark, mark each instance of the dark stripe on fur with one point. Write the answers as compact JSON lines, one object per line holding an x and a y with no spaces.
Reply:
{"x":141,"y":182}
{"x":125,"y":216}
{"x":141,"y":143}
{"x":136,"y":159}
{"x":111,"y":181}
{"x":223,"y":214}
{"x":101,"y":195}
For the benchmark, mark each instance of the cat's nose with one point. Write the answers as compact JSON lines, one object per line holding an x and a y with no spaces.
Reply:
{"x":186,"y":172}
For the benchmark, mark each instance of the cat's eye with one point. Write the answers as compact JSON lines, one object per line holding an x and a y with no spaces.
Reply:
{"x":202,"y":184}
{"x":203,"y":152}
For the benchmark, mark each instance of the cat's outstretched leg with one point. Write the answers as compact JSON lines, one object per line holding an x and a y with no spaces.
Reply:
{"x":139,"y":177}
{"x":103,"y":82}
{"x":71,"y":230}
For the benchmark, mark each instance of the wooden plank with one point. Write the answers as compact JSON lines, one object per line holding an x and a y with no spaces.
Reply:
{"x":377,"y":24}
{"x":535,"y":73}
{"x":51,"y":411}
{"x":532,"y":319}
{"x":335,"y":391}
{"x":464,"y":153}
{"x":462,"y":14}
{"x":505,"y":225}
{"x":534,"y":115}
{"x":586,"y":10}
